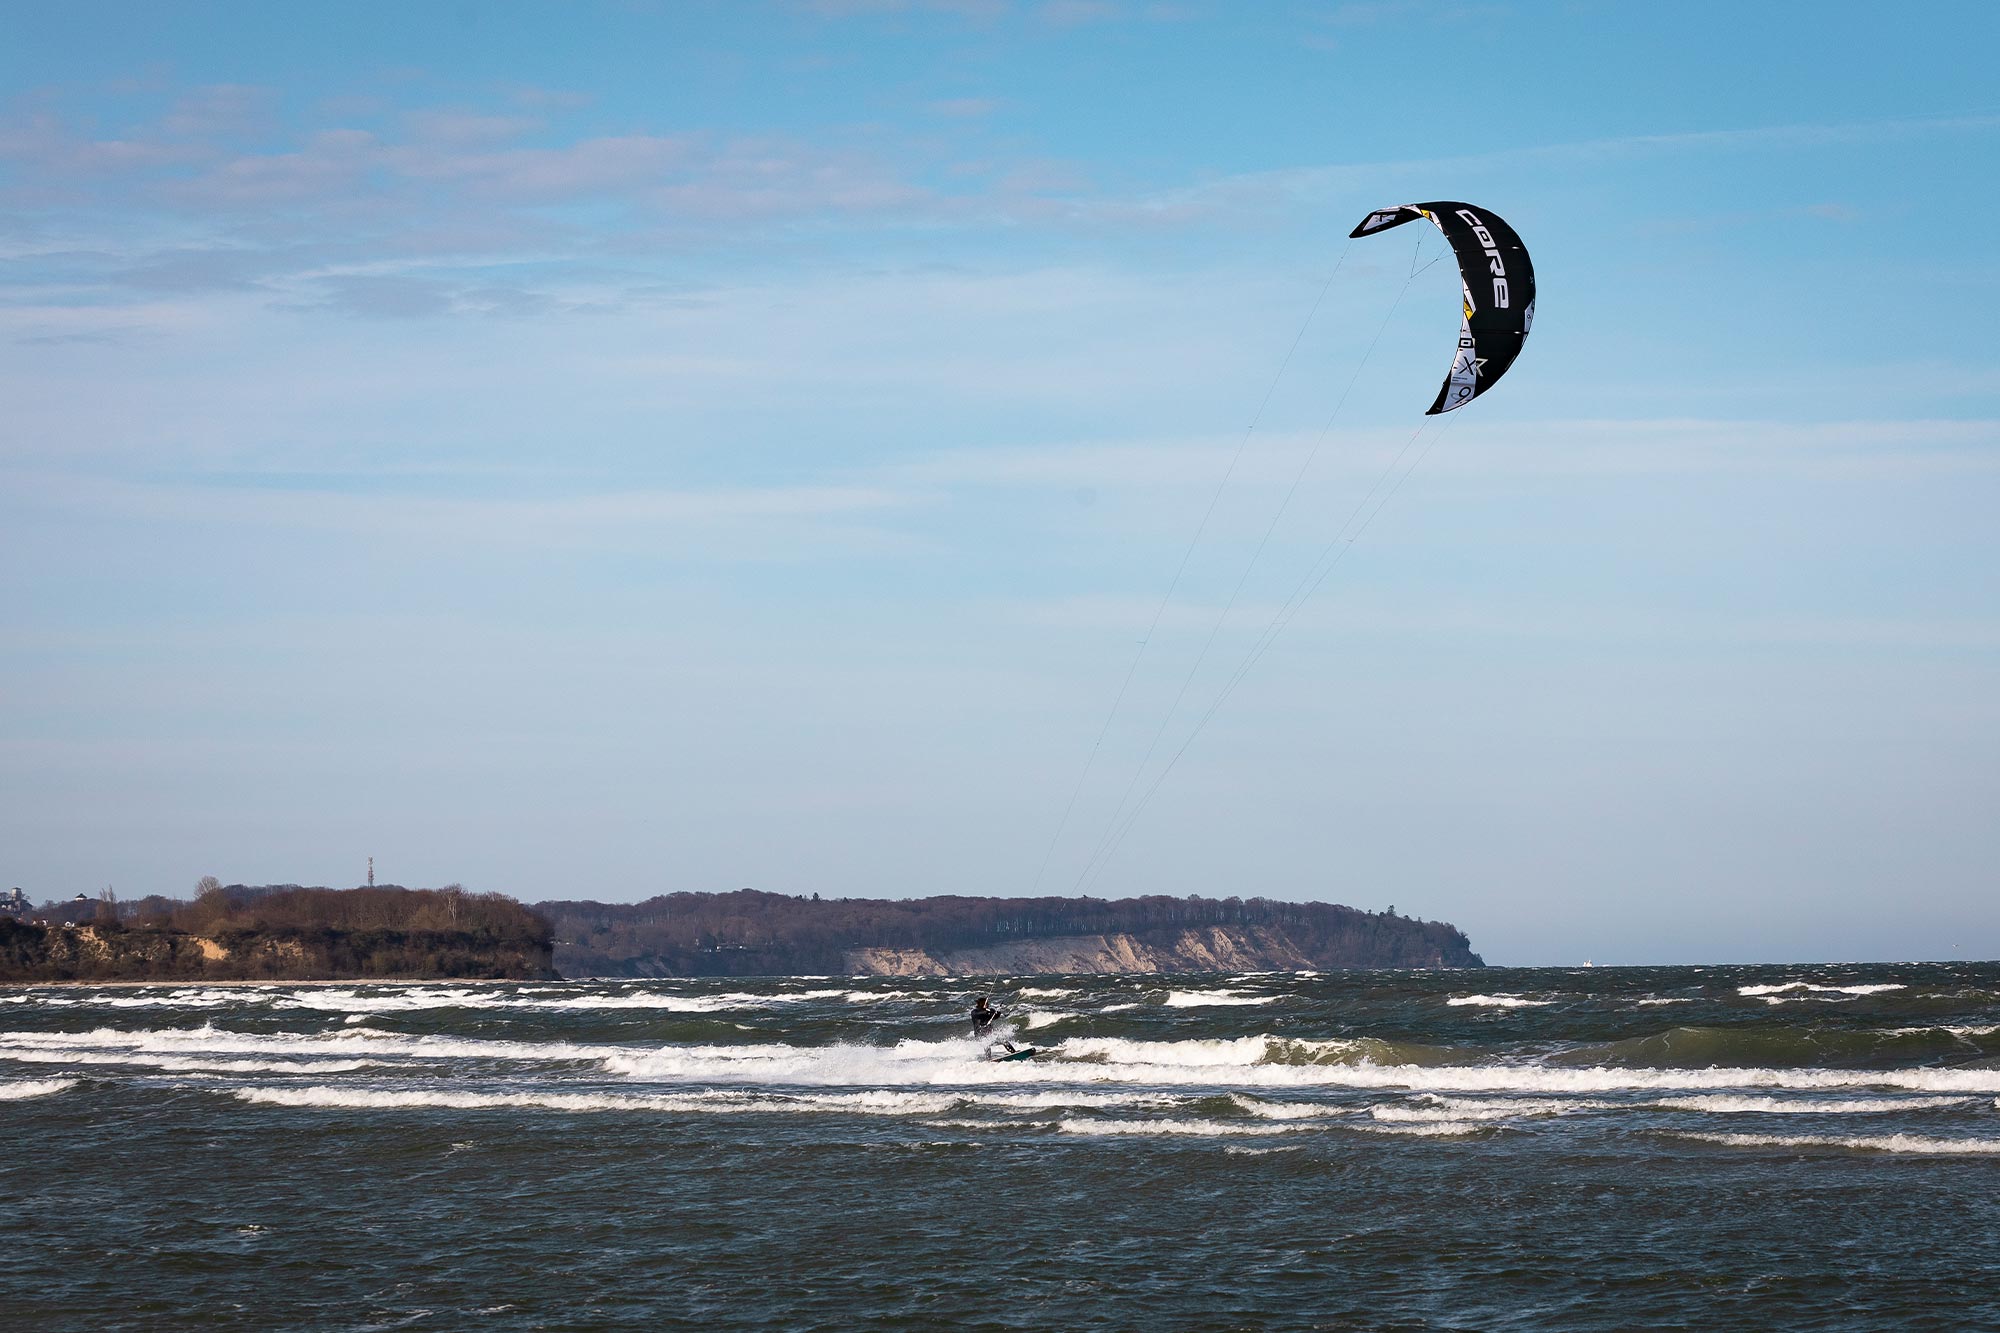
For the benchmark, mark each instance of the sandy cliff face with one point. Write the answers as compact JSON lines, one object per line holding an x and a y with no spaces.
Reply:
{"x":1202,"y":949}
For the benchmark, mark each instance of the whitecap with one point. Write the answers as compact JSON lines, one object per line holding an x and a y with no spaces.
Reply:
{"x":190,"y":1064}
{"x":351,"y":1041}
{"x":1455,"y":1110}
{"x":1498,"y":1001}
{"x":1204,"y":1128}
{"x":1746,"y":1105}
{"x":1442,"y":1129}
{"x":1883,"y":1143}
{"x":1807,"y":990}
{"x":1208,"y":999}
{"x":1287,"y":1110}
{"x":41,"y":1087}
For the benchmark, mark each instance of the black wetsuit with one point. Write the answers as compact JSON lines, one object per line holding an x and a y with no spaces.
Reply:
{"x":982,"y":1019}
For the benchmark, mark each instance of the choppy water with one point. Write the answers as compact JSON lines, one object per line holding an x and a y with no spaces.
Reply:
{"x":1726,"y":1147}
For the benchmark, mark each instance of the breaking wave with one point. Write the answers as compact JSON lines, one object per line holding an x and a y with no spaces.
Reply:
{"x":1925,"y":1144}
{"x":1205,"y":1128}
{"x":1211,"y":999}
{"x":43,"y":1087}
{"x":1741,"y":1105}
{"x":1443,"y":1129}
{"x":1807,"y":990}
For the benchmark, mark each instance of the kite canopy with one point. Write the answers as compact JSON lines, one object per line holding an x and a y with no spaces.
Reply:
{"x":1499,"y":285}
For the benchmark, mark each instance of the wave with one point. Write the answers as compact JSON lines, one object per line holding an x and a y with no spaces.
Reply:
{"x":1243,"y":1063}
{"x":327,"y":1097}
{"x":1442,"y":1129}
{"x":1205,"y":1128}
{"x":1808,"y":990}
{"x":180,"y":1064}
{"x":872,"y":1101}
{"x":1883,"y":1143}
{"x":352,"y":1041}
{"x":1742,"y":1105}
{"x":1212,"y":999}
{"x":1230,"y":1063}
{"x":1498,"y":1001}
{"x":39,"y":1087}
{"x":1045,"y":992}
{"x":1791,"y":1044}
{"x":1454,"y":1110}
{"x":1286,"y":1110}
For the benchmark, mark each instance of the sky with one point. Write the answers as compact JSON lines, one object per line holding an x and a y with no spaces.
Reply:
{"x":897,"y":447}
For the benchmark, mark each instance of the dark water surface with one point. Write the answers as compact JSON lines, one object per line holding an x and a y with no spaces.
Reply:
{"x":1695,"y":1148}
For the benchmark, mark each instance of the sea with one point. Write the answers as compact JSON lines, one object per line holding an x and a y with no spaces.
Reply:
{"x":1771,"y":1147}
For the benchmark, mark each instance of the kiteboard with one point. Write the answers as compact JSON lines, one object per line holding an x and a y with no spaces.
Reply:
{"x":1025,"y":1053}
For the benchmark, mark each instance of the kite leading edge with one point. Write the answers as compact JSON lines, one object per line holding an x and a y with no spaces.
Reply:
{"x":1499,"y":289}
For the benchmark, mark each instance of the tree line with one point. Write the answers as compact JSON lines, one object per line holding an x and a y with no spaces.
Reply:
{"x":282,"y":932}
{"x":748,"y":933}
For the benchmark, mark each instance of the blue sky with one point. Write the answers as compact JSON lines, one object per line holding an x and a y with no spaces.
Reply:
{"x":599,"y":450}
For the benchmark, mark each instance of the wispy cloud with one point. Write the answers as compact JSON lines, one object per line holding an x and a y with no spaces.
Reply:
{"x":731,"y":524}
{"x":1260,"y":189}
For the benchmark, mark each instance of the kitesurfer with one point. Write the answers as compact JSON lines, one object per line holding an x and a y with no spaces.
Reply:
{"x":983,"y":1015}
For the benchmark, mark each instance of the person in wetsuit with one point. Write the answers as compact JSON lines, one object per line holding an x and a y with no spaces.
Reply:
{"x":983,"y":1015}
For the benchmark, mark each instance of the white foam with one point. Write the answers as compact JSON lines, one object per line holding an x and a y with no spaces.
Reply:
{"x":1194,"y":1052}
{"x":1743,"y":1105}
{"x":1287,"y":1110}
{"x":695,"y":1004}
{"x":1441,"y":1129}
{"x":706,"y":1102}
{"x":1460,"y":1110}
{"x":1884,"y":1143}
{"x":351,"y":1041}
{"x":39,"y":1087}
{"x":1671,"y":999}
{"x":1040,"y":1020}
{"x":1498,"y":1001}
{"x":344,"y":1001}
{"x":1045,"y":992}
{"x":1206,"y":1128}
{"x":1953,"y":1029}
{"x":374,"y":1098}
{"x":1808,"y":990}
{"x":1209,"y":999}
{"x":190,"y":1064}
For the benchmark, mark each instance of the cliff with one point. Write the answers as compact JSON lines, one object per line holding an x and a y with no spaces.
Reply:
{"x":1213,"y":949}
{"x":761,"y":934}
